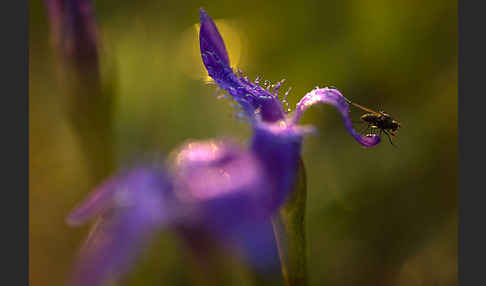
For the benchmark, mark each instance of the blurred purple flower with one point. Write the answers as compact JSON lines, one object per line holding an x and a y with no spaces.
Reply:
{"x":130,"y":207}
{"x":73,"y":29}
{"x":209,"y":187}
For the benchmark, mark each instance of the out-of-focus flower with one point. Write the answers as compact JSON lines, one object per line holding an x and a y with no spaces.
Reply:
{"x":213,"y":188}
{"x":73,"y":30}
{"x":129,"y":208}
{"x":88,"y":90}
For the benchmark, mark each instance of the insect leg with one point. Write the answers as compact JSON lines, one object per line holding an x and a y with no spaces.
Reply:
{"x":389,"y":138}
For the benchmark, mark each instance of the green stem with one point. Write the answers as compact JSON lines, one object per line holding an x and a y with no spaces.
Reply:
{"x":289,"y":229}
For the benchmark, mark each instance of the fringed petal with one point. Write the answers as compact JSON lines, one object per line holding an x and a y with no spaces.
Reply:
{"x":253,"y":98}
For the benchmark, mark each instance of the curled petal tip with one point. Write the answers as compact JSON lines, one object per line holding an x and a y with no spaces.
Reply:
{"x":369,"y":140}
{"x":334,"y":97}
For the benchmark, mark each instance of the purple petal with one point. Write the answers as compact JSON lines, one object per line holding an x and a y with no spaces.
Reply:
{"x":253,"y":242}
{"x":132,"y":207}
{"x":232,"y":200}
{"x":251,"y":96}
{"x":212,"y":47}
{"x":224,"y":184}
{"x":267,"y":104}
{"x":127,"y":185}
{"x":257,"y":245}
{"x":278,"y":147}
{"x":112,"y":246}
{"x":335,"y":98}
{"x":100,"y":199}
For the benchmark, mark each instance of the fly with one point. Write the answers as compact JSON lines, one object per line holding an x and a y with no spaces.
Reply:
{"x":378,"y":121}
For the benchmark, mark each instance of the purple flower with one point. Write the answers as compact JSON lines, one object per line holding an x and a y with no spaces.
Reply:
{"x":277,"y":138}
{"x":207,"y":188}
{"x":213,"y":188}
{"x":261,"y":105}
{"x":251,"y":96}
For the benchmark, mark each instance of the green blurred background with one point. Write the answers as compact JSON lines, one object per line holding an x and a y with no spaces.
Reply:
{"x":378,"y":216}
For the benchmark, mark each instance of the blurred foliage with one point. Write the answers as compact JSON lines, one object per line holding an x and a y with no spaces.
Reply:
{"x":379,"y":216}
